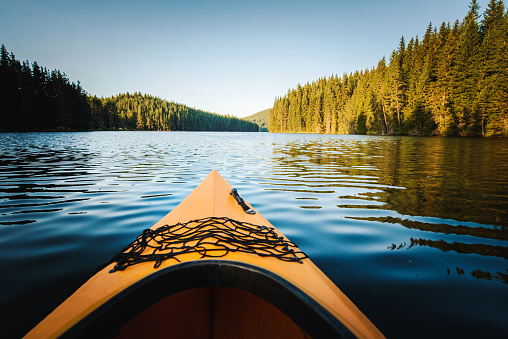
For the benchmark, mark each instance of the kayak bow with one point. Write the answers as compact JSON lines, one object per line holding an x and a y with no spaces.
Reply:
{"x":213,"y":267}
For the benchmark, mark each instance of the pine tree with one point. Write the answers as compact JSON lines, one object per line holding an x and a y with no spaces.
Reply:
{"x":466,"y":74}
{"x":329,"y":115}
{"x":453,"y":82}
{"x":382,"y":94}
{"x":439,"y":92}
{"x":399,"y":82}
{"x":8,"y":91}
{"x":493,"y":99}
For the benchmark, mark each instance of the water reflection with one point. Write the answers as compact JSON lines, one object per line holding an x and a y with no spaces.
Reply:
{"x":383,"y":217}
{"x":432,"y":177}
{"x":463,"y":248}
{"x":443,"y":177}
{"x":484,"y":275}
{"x":478,"y":231}
{"x":479,"y":274}
{"x":38,"y":174}
{"x":454,"y":190}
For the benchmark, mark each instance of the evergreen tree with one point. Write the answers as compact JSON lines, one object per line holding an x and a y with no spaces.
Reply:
{"x":452,"y":82}
{"x":382,"y":95}
{"x":398,"y":66}
{"x":466,"y":74}
{"x":35,"y":99}
{"x":329,"y":108}
{"x":145,"y":112}
{"x":493,"y":96}
{"x":439,"y":96}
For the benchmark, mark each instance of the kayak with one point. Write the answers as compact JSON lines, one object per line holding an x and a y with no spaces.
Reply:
{"x":213,"y":267}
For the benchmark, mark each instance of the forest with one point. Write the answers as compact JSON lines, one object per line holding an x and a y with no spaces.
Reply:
{"x":454,"y":81}
{"x":261,"y":119}
{"x":36,"y":99}
{"x":148,"y":113}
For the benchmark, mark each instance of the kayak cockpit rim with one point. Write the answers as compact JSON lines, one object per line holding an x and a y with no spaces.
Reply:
{"x":109,"y":318}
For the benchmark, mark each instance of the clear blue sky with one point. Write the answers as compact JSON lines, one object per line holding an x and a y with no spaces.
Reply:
{"x":228,"y":57}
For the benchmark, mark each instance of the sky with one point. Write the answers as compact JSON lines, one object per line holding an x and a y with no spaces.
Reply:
{"x":223,"y":56}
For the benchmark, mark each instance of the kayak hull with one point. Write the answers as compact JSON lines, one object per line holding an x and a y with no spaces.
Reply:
{"x":212,"y":295}
{"x":297,"y":295}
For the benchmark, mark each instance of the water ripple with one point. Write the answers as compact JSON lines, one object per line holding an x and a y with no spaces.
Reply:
{"x":386,"y":218}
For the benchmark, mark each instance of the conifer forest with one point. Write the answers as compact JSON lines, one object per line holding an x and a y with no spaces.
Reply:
{"x":453,"y":81}
{"x":148,"y":113}
{"x":35,"y":99}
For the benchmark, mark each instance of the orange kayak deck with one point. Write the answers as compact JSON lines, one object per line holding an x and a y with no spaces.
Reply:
{"x":239,"y":290}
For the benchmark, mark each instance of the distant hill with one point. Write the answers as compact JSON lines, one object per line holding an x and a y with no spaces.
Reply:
{"x":261,"y":119}
{"x":145,"y":112}
{"x":34,"y":99}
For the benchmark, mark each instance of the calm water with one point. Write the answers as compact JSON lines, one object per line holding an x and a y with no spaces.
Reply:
{"x":413,"y":230}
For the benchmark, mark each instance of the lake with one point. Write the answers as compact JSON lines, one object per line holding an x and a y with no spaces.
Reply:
{"x":412,"y":230}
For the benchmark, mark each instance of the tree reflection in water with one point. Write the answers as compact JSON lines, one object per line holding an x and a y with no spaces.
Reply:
{"x":451,"y":188}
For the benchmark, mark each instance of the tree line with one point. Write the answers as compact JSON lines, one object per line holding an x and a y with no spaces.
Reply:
{"x":36,"y":99}
{"x":454,"y":81}
{"x":145,"y":112}
{"x":260,"y":118}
